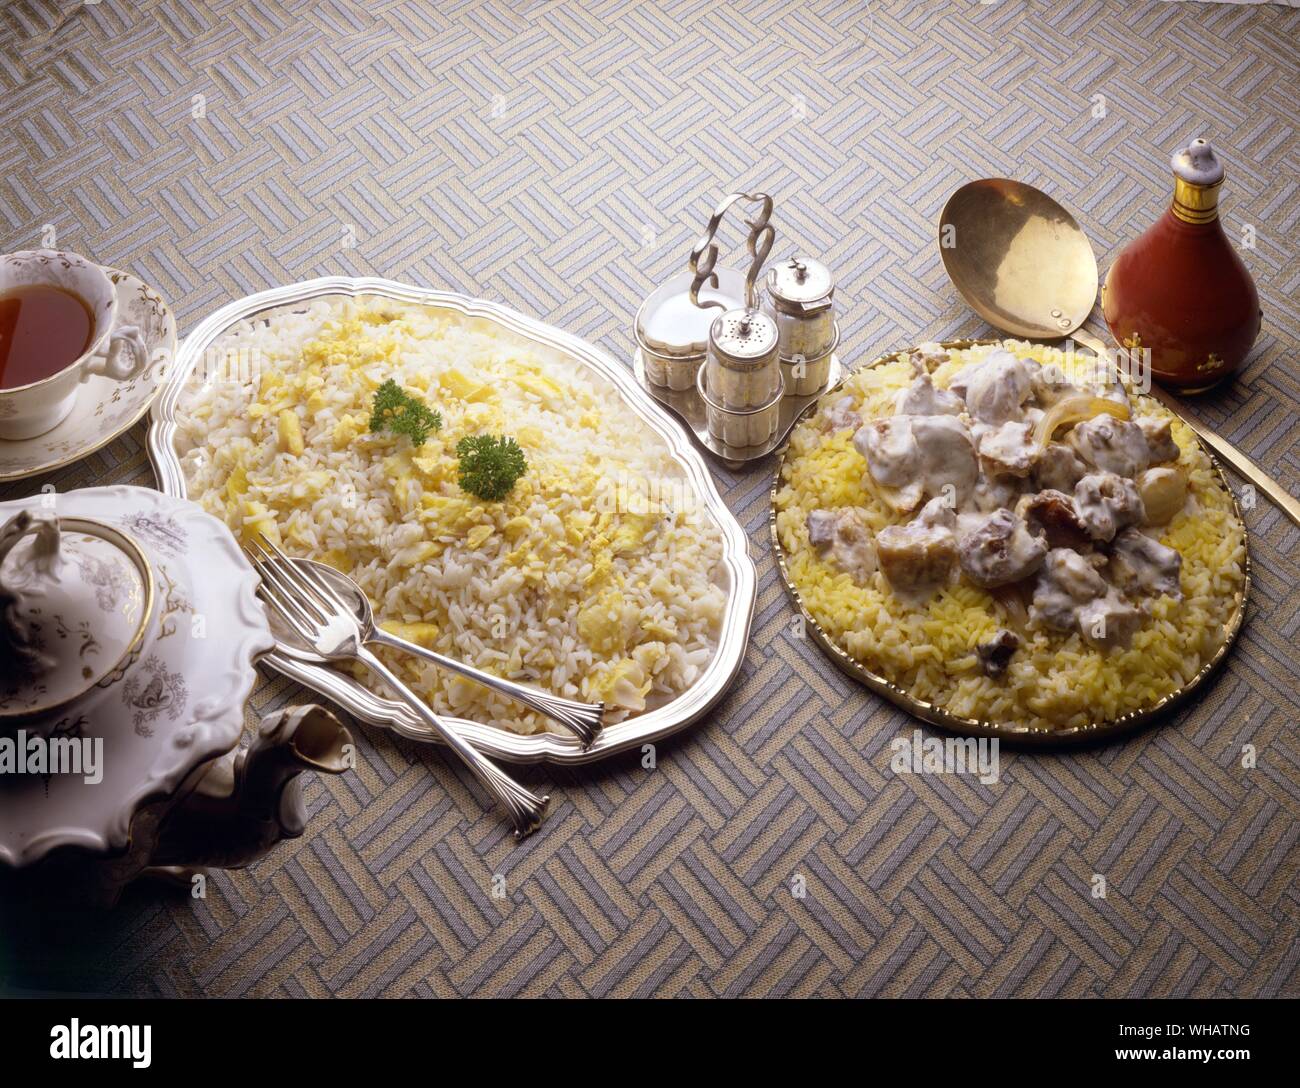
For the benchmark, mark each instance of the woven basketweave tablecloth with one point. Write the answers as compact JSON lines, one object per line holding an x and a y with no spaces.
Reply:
{"x":561,"y":158}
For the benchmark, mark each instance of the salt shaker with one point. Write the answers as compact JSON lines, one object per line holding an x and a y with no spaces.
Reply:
{"x":799,"y":298}
{"x":741,"y":382}
{"x":742,"y":366}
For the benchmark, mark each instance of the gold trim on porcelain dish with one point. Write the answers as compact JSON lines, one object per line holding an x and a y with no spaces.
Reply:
{"x":130,"y":654}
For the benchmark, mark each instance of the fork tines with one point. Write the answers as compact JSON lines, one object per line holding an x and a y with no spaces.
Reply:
{"x":296,"y":591}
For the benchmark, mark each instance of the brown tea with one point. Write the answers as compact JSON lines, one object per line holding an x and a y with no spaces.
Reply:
{"x":43,"y":329}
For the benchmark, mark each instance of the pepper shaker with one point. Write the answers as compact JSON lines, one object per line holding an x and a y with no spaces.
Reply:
{"x":742,"y":359}
{"x":800,"y":299}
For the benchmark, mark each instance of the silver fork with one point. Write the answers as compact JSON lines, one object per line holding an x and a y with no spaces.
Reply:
{"x":582,"y":719}
{"x":319,"y":617}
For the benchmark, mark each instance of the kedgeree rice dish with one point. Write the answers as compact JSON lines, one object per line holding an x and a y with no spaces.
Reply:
{"x":497,"y":503}
{"x":1002,"y":535}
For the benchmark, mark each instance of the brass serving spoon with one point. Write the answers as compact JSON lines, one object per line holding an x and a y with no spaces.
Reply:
{"x":1027,"y":268}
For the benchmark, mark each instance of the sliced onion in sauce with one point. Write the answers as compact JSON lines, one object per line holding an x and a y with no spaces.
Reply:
{"x":1076,"y":408}
{"x":901,"y":500}
{"x":1012,"y":602}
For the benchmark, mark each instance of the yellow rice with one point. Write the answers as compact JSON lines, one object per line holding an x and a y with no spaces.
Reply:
{"x":1055,"y":680}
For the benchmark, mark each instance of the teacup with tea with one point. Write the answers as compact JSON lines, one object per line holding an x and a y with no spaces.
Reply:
{"x":58,"y":314}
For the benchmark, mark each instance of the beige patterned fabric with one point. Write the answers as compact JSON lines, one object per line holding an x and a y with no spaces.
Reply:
{"x":561,"y":157}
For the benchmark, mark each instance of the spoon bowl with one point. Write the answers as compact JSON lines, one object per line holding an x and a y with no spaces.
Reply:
{"x":584,"y":720}
{"x":289,"y":643}
{"x":1018,"y":258}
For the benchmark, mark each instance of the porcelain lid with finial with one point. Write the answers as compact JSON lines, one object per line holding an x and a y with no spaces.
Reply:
{"x":76,"y":596}
{"x":158,"y":705}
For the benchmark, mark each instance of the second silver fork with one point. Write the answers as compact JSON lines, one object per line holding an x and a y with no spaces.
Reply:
{"x":582,"y":719}
{"x":322,"y":620}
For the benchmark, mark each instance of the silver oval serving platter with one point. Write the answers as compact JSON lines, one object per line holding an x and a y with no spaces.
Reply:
{"x":736,"y":571}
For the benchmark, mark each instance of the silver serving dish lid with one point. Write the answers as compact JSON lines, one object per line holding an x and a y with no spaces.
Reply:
{"x":669,"y":323}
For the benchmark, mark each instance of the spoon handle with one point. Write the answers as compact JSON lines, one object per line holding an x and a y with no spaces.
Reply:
{"x":526,"y":810}
{"x":1233,"y":457}
{"x":582,"y":719}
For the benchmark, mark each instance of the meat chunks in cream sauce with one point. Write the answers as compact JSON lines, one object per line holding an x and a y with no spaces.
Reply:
{"x":1008,"y":450}
{"x":995,"y":653}
{"x":922,"y":398}
{"x":845,"y":537}
{"x":1140,"y":565}
{"x":928,"y":356}
{"x":917,"y":558}
{"x":1051,"y":515}
{"x":1123,"y":446}
{"x":1032,"y":486}
{"x":1107,"y":503}
{"x":997,"y":549}
{"x":921,"y":456}
{"x":1066,"y":582}
{"x":1112,"y":445}
{"x":1161,"y":446}
{"x":1058,"y":468}
{"x":843,"y":416}
{"x":995,"y":388}
{"x":1109,"y":621}
{"x":1071,"y":595}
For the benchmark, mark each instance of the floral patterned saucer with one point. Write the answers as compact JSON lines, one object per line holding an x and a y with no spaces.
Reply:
{"x":105,"y":408}
{"x":179,"y":702}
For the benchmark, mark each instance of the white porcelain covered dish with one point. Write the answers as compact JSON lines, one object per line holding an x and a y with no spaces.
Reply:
{"x":672,"y":329}
{"x":76,"y":599}
{"x":165,"y":590}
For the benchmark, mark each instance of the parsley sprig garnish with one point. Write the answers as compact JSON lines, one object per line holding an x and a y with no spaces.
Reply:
{"x":490,"y":465}
{"x":395,"y":409}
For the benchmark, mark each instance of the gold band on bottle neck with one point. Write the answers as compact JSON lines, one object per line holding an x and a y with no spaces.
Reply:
{"x":1195,"y":203}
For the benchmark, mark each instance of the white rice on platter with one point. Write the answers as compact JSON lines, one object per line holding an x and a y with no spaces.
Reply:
{"x":595,"y":578}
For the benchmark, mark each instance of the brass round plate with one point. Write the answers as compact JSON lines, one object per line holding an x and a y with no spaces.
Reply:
{"x":1012,"y":732}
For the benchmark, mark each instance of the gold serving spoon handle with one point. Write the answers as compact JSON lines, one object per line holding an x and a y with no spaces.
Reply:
{"x":1024,"y":265}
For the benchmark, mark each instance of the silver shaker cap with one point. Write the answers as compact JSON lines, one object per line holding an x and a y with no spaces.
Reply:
{"x":743,"y":339}
{"x":800,"y":285}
